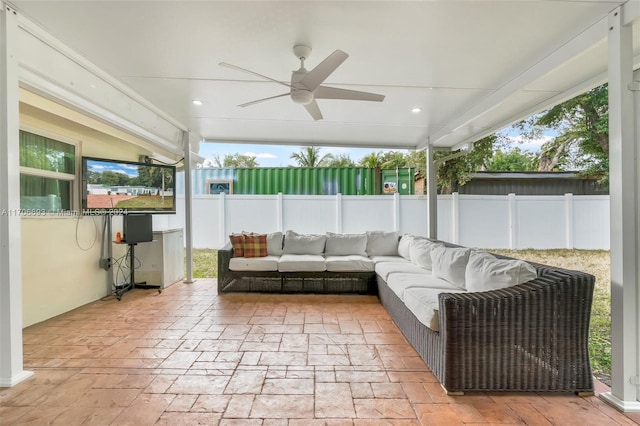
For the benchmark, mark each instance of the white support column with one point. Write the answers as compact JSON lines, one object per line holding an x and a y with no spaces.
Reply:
{"x":625,"y":217}
{"x":11,"y":357}
{"x":188,"y":203}
{"x":568,"y":220}
{"x":455,"y":218}
{"x":432,"y":193}
{"x":339,"y":213}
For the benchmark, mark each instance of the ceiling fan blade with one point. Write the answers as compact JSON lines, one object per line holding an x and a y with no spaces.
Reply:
{"x":316,"y":76}
{"x":262,"y":100}
{"x":237,"y":68}
{"x":324,"y":92}
{"x":314,"y":110}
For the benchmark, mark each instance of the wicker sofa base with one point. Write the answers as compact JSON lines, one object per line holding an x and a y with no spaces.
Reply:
{"x":299,"y":282}
{"x":468,"y":354}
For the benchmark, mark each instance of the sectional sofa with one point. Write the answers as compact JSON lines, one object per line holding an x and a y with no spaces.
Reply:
{"x":481,"y":322}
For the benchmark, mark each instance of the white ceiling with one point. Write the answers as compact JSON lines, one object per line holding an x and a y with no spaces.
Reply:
{"x":473,"y":66}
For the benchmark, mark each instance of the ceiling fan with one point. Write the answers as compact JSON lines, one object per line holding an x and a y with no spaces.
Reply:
{"x":306,"y":86}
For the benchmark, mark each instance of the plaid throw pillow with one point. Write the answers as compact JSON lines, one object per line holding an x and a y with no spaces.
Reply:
{"x":237,"y":241}
{"x":255,"y":245}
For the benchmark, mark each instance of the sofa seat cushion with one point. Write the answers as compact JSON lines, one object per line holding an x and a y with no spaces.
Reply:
{"x":399,"y":282}
{"x":384,"y":269}
{"x":423,"y":303}
{"x":268,"y":263}
{"x":301,"y":263}
{"x":351,"y":263}
{"x":378,"y":259}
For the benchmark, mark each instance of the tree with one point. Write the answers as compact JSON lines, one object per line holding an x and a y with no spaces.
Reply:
{"x":110,"y":178}
{"x":310,"y":157}
{"x":237,"y":161}
{"x":385,"y":160}
{"x":512,"y":160}
{"x":458,"y":171}
{"x":393,"y":160}
{"x":342,"y":160}
{"x":582,"y":124}
{"x":371,"y":160}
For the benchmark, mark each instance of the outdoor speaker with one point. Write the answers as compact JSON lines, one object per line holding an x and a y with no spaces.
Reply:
{"x":137,"y":228}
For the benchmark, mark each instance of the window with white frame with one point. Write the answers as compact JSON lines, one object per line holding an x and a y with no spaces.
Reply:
{"x":48,"y":173}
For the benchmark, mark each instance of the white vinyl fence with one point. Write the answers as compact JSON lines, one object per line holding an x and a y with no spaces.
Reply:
{"x":487,"y":221}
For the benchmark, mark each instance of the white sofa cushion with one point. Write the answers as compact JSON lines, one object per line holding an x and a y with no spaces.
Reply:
{"x":380,"y":243}
{"x":274,"y":244}
{"x":486,"y":272}
{"x":420,"y":252}
{"x":269,"y":263}
{"x":423,"y":303}
{"x":351,"y":263}
{"x":404,"y":246}
{"x":399,"y":282}
{"x":378,"y":259}
{"x":295,"y":243}
{"x":384,"y":269}
{"x":301,"y":263}
{"x":450,"y":263}
{"x":345,"y":244}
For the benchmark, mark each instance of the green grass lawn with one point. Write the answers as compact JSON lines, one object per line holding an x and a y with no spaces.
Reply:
{"x":595,"y":262}
{"x":150,"y":201}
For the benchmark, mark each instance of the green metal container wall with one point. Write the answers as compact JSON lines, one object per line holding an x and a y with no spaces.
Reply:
{"x":398,"y":180}
{"x":306,"y":181}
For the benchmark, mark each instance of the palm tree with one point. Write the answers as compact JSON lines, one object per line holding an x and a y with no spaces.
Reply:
{"x":371,"y":160}
{"x":309,"y":156}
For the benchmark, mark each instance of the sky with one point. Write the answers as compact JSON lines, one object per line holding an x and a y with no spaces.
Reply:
{"x":130,"y":170}
{"x":280,"y":155}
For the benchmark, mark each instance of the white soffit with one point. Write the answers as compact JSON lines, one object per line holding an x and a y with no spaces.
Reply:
{"x":50,"y":69}
{"x":471,"y":65}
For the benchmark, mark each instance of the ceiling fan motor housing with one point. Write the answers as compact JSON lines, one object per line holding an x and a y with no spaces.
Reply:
{"x":301,"y":96}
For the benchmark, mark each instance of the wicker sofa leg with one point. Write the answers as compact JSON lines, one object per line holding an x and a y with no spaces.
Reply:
{"x":452,"y":393}
{"x":585,"y":394}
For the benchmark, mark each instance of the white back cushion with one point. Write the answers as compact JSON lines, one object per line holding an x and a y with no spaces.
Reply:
{"x":295,"y":243}
{"x":274,"y":244}
{"x":450,"y":264}
{"x":486,"y":272}
{"x":380,"y":243}
{"x":346,"y":244}
{"x":420,"y":252}
{"x":404,"y":246}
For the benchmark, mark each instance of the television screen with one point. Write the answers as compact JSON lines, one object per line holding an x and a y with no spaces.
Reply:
{"x":122,"y":187}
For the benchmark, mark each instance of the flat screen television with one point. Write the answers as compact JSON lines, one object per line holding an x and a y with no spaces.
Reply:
{"x":123,"y":187}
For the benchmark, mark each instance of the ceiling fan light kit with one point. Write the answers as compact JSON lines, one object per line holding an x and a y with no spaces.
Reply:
{"x":306,"y":86}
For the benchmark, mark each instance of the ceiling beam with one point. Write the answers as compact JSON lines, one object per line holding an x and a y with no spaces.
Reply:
{"x":321,"y":143}
{"x":592,"y":35}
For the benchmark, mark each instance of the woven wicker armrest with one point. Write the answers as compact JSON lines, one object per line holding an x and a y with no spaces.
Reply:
{"x":530,"y":336}
{"x":224,"y":257}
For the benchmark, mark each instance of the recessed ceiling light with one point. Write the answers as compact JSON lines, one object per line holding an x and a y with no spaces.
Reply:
{"x":416,"y":110}
{"x":197,"y":102}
